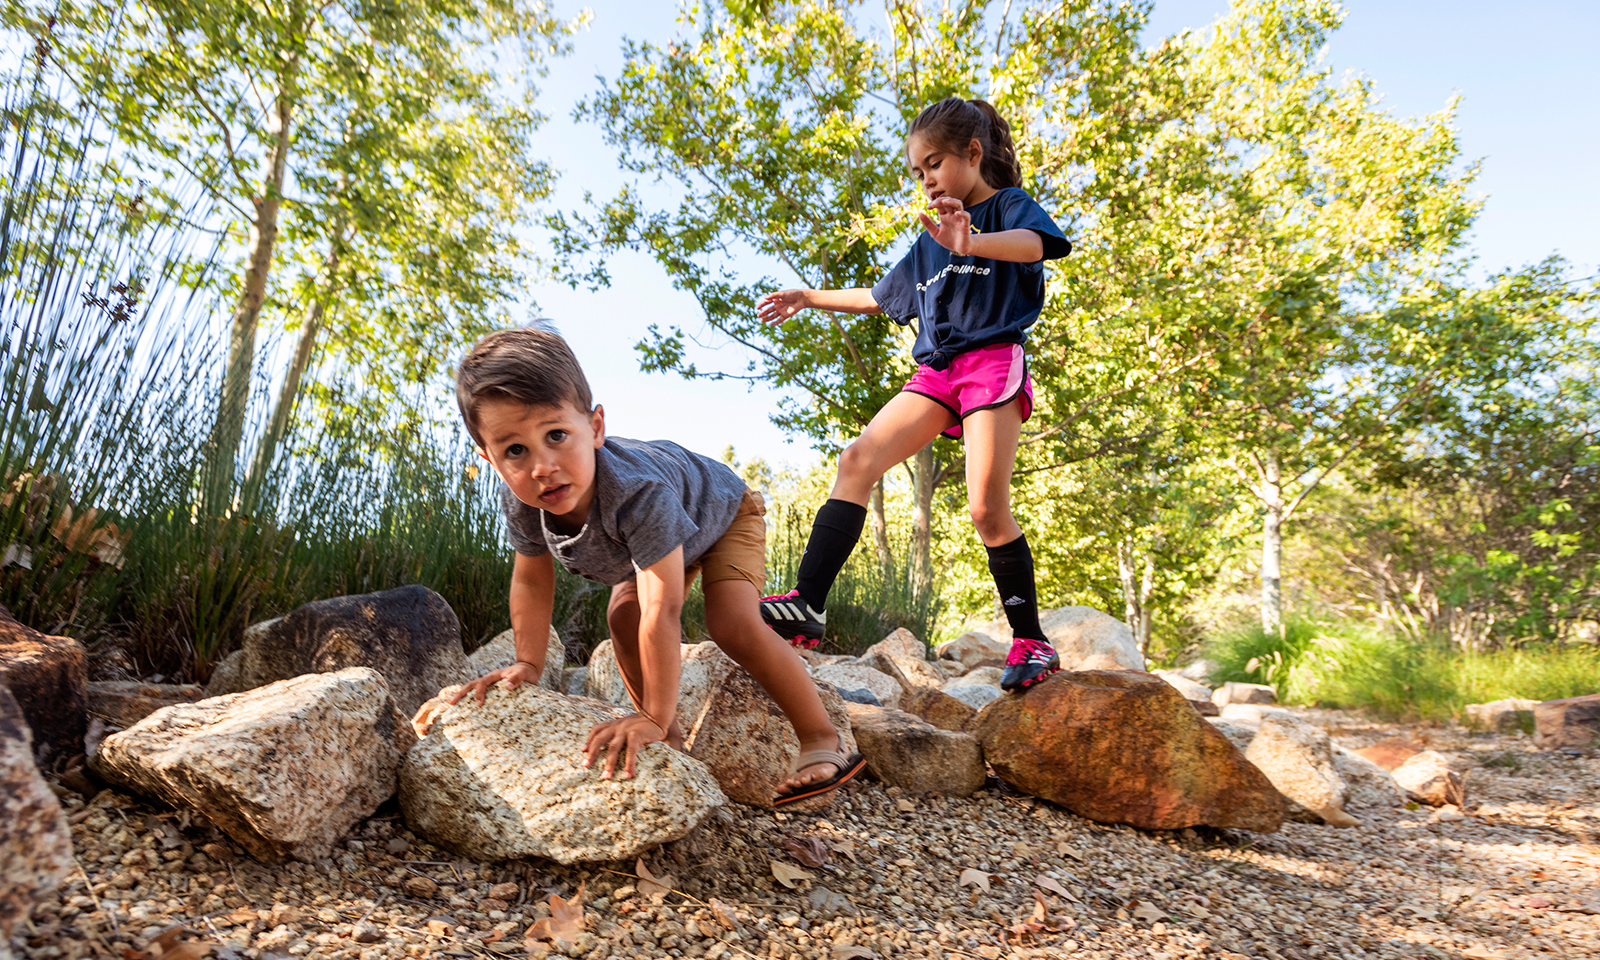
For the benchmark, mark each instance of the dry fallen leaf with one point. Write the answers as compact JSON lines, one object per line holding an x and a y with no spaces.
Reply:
{"x":787,"y":874}
{"x":493,"y":936}
{"x":650,"y":885}
{"x":846,"y":847}
{"x":1149,"y":911}
{"x":1068,"y":850}
{"x":849,"y":951}
{"x":905,"y":806}
{"x":974,"y":878}
{"x":166,"y":946}
{"x":723,"y":913}
{"x":439,"y":928}
{"x":564,"y":923}
{"x":810,"y":851}
{"x":1052,"y":885}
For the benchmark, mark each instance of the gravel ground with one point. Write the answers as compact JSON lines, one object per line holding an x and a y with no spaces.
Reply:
{"x":1514,"y":874}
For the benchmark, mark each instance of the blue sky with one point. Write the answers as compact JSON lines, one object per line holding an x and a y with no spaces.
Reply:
{"x":1526,"y":74}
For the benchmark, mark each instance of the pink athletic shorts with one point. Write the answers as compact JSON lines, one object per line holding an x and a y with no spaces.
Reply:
{"x":980,"y":379}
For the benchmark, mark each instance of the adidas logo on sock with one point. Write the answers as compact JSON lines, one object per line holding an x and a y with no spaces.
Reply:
{"x":1013,"y":601}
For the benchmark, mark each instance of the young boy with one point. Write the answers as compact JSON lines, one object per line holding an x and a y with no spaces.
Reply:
{"x":644,"y":517}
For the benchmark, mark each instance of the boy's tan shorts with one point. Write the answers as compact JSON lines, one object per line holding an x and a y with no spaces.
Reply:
{"x":740,"y":554}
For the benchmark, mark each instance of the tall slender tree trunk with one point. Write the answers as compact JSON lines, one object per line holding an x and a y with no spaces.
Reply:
{"x":1271,"y":494}
{"x":289,"y":393}
{"x":921,"y":565}
{"x":880,"y":528}
{"x":227,"y":431}
{"x":1136,"y":590}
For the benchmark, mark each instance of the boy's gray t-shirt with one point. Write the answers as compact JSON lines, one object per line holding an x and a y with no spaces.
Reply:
{"x":650,"y":496}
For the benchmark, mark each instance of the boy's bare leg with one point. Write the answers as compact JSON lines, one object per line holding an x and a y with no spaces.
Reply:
{"x":906,"y":424}
{"x":991,"y":438}
{"x":733,"y":619}
{"x":622,"y":616}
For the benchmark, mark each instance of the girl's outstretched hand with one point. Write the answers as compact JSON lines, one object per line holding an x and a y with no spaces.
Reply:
{"x":953,"y":229}
{"x":780,"y":305}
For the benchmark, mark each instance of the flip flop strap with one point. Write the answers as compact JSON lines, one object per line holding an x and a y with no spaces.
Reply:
{"x":809,"y":758}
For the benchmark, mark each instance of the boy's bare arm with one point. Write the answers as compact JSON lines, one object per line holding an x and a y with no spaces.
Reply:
{"x":532,"y":599}
{"x":661,"y":591}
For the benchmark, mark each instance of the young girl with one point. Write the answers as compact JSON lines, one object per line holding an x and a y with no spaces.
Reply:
{"x":974,"y":282}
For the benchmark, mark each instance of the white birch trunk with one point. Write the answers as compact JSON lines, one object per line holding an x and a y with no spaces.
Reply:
{"x":1271,"y":494}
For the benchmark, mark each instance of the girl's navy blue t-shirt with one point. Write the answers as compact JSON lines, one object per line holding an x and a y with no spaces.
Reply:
{"x":963,"y":303}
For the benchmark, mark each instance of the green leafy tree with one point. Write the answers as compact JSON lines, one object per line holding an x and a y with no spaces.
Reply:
{"x":370,"y":160}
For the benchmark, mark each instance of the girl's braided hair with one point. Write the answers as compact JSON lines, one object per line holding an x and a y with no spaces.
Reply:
{"x":953,"y":123}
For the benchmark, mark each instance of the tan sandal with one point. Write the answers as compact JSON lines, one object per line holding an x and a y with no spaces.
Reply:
{"x":848,"y":767}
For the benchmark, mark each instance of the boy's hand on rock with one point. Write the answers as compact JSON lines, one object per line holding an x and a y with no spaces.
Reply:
{"x":515,"y":676}
{"x":780,"y":305}
{"x":614,"y":737}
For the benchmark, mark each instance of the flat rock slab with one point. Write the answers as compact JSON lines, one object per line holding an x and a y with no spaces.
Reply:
{"x":35,"y":841}
{"x":850,"y":676}
{"x":1571,"y":722}
{"x":1125,"y":747}
{"x":905,"y":751}
{"x":285,"y":769}
{"x":505,"y":780}
{"x":408,"y":634}
{"x":1298,"y":758}
{"x":126,"y":702}
{"x":48,"y":676}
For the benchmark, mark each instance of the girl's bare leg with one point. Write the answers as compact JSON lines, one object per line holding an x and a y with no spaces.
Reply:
{"x":734,"y":622}
{"x":622,"y":616}
{"x":991,"y":438}
{"x":906,"y":424}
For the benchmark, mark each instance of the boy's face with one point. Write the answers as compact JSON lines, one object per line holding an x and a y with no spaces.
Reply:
{"x":545,"y":454}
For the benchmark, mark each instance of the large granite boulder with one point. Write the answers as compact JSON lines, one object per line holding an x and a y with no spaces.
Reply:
{"x":505,"y":780}
{"x":48,"y":677}
{"x":972,"y":648}
{"x":408,"y":634}
{"x":602,"y":679}
{"x":704,"y":666}
{"x":502,"y":652}
{"x":1124,"y":747}
{"x":850,"y":676}
{"x":1570,"y":722}
{"x":126,"y":702}
{"x":748,"y":743}
{"x":1298,"y":758}
{"x":940,"y":709}
{"x":1086,"y":638}
{"x":905,"y":751}
{"x":285,"y":769}
{"x":35,"y":841}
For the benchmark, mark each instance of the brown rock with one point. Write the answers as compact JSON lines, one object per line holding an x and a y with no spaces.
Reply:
{"x":748,"y":743}
{"x":505,"y":891}
{"x":283,"y":770}
{"x":1124,"y":747}
{"x":1571,"y":722}
{"x":939,"y":709}
{"x":48,"y":676}
{"x":408,"y":634}
{"x":1429,"y":777}
{"x":901,"y":643}
{"x":35,"y":841}
{"x":973,"y":648}
{"x":126,"y":702}
{"x":1206,"y":708}
{"x":904,"y":751}
{"x":1391,"y":753}
{"x":421,"y":887}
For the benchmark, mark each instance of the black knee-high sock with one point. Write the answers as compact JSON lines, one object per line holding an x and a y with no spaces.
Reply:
{"x":1012,"y":567}
{"x":833,"y":535}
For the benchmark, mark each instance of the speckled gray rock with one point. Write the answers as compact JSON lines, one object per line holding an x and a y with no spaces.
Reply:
{"x":603,"y":680}
{"x":906,"y":751}
{"x":1239,"y":732}
{"x":852,"y":676}
{"x":704,"y":666}
{"x":572,"y":685}
{"x":1298,"y":758}
{"x":861,"y":695}
{"x":502,"y":652}
{"x":975,"y":695}
{"x":972,"y":648}
{"x":35,"y":841}
{"x":285,"y":769}
{"x":748,"y":743}
{"x":912,"y":673}
{"x":505,"y":781}
{"x":1371,"y":788}
{"x":408,"y":634}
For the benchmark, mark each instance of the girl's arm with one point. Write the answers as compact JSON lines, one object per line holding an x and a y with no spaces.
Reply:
{"x":953,"y":231}
{"x":532,"y":600}
{"x":780,"y":305}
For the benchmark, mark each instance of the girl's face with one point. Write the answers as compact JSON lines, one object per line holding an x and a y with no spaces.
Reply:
{"x":944,"y":173}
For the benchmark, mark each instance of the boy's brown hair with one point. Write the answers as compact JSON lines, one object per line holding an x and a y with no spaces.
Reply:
{"x":531,"y":365}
